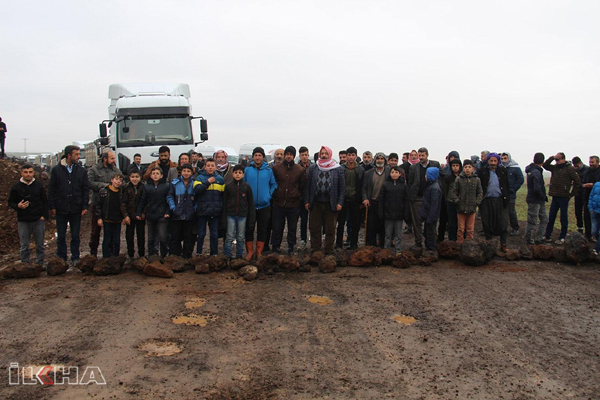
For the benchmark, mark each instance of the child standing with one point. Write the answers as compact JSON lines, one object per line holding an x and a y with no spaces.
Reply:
{"x":132,"y":194}
{"x":594,"y":207}
{"x":467,"y":194}
{"x":183,"y":213}
{"x":431,"y":207}
{"x":28,"y":197}
{"x":448,"y":182}
{"x":111,"y":213}
{"x":239,"y":208}
{"x":208,"y":188}
{"x":393,"y":207}
{"x":154,"y":209}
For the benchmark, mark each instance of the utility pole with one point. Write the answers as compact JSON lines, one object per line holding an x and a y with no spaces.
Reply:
{"x":25,"y":145}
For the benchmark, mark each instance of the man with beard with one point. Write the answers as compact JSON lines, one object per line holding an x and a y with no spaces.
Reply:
{"x":416,"y":187}
{"x":99,"y":177}
{"x":371,"y":189}
{"x":164,"y":163}
{"x":290,"y":180}
{"x":591,"y":176}
{"x":367,"y":160}
{"x":304,"y":162}
{"x":225,"y":169}
{"x":277,"y":158}
{"x":324,"y":197}
{"x":494,"y":207}
{"x":353,"y":174}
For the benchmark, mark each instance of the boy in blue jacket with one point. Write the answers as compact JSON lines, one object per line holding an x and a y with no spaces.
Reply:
{"x":183,"y":213}
{"x":430,"y":209}
{"x":594,"y":207}
{"x":208,"y":189}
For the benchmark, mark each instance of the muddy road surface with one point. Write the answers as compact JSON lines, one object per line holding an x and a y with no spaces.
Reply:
{"x":520,"y":330}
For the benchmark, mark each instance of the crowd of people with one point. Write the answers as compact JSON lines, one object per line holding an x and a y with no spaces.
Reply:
{"x":174,"y":204}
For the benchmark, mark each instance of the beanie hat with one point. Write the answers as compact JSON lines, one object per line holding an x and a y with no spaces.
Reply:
{"x":494,"y":155}
{"x":467,"y":162}
{"x":538,"y":158}
{"x":290,"y":149}
{"x":258,"y":150}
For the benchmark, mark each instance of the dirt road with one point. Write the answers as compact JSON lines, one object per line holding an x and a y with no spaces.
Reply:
{"x":514,"y":331}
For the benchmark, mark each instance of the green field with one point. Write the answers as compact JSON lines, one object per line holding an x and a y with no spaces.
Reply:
{"x":521,"y":207}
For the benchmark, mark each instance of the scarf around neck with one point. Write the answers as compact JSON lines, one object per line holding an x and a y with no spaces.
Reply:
{"x":329,"y":163}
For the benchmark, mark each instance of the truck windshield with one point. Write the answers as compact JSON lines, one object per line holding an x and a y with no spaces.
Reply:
{"x":155,"y":131}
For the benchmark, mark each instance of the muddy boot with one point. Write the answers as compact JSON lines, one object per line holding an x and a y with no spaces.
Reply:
{"x":249,"y":250}
{"x":260,"y":246}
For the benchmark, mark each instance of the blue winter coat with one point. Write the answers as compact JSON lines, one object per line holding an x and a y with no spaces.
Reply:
{"x":594,"y":203}
{"x":209,"y":196}
{"x":181,"y":200}
{"x":432,"y":197}
{"x":263,"y":184}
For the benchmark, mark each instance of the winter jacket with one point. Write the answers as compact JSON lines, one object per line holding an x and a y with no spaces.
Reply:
{"x":502,"y":173}
{"x":209,"y":196}
{"x":594,"y":201}
{"x":68,"y":193}
{"x":156,"y":163}
{"x":111,"y":206}
{"x":132,"y":196}
{"x":367,"y":184}
{"x":447,"y":184}
{"x":291,"y":181}
{"x":263,"y":184}
{"x":414,"y":178}
{"x":536,"y":188}
{"x":592,"y":175}
{"x":99,"y":177}
{"x":432,"y":197}
{"x":515,"y":176}
{"x":239,"y":201}
{"x":466,"y":193}
{"x":336,"y":192}
{"x":393,"y":201}
{"x":154,"y":201}
{"x":181,"y":200}
{"x":134,"y":168}
{"x":356,"y":176}
{"x":582,"y":172}
{"x":564,"y":181}
{"x":35,"y":194}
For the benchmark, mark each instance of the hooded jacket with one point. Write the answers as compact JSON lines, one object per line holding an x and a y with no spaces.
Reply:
{"x":291,"y":181}
{"x":564,"y":181}
{"x":181,"y":200}
{"x":263,"y":184}
{"x":594,"y":201}
{"x":68,"y":193}
{"x":393,"y":203}
{"x":536,"y":188}
{"x":209,"y":196}
{"x":432,"y":197}
{"x":35,"y":194}
{"x":466,"y":193}
{"x":515,"y":176}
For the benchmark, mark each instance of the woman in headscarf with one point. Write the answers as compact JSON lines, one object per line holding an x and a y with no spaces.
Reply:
{"x":413,"y":157}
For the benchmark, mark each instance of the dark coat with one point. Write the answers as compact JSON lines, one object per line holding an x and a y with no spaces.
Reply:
{"x":564,"y":181}
{"x":134,"y":168}
{"x":484,"y":175}
{"x":35,"y":194}
{"x":154,"y":201}
{"x":367,"y":184}
{"x":337,"y":191}
{"x":103,"y":207}
{"x":99,"y":177}
{"x":68,"y":193}
{"x":536,"y":188}
{"x":239,"y":201}
{"x":466,"y":193}
{"x":359,"y":172}
{"x":590,"y":176}
{"x":209,"y":196}
{"x":393,"y":200}
{"x":291,"y":181}
{"x":432,"y":202}
{"x":132,"y":196}
{"x":414,"y":178}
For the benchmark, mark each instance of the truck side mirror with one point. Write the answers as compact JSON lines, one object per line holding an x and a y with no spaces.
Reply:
{"x":103,"y":141}
{"x":204,"y":126}
{"x":125,"y":129}
{"x":204,"y":137}
{"x":103,"y":131}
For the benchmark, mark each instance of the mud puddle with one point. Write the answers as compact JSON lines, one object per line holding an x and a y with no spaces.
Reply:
{"x":405,"y":320}
{"x":193,"y":319}
{"x":320,"y":300}
{"x":159,"y":348}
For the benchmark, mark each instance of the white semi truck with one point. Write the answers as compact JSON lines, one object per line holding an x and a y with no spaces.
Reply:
{"x":145,"y":116}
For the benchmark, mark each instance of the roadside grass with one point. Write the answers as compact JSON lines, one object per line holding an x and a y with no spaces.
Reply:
{"x":521,"y":207}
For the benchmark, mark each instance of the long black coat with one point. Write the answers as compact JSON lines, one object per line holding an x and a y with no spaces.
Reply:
{"x":484,"y":176}
{"x":68,"y":193}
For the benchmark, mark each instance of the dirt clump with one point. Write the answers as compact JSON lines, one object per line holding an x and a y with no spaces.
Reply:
{"x":159,"y":270}
{"x":249,"y":272}
{"x":328,"y":264}
{"x":19,"y":270}
{"x":56,"y":266}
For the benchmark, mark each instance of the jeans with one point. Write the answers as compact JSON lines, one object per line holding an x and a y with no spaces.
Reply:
{"x":393,"y":230}
{"x":181,"y":230}
{"x":236,"y":229}
{"x":536,"y":213}
{"x":595,"y":217}
{"x":452,"y":222}
{"x":37,"y":229}
{"x":74,"y":221}
{"x":512,"y":214}
{"x":280,"y":215}
{"x":213,"y":226}
{"x":319,"y":213}
{"x":157,"y":236}
{"x":562,"y":204}
{"x":111,"y":243}
{"x":95,"y":232}
{"x":351,"y":213}
{"x":138,"y":228}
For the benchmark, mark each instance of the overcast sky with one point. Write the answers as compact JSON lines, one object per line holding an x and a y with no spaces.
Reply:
{"x":517,"y":76}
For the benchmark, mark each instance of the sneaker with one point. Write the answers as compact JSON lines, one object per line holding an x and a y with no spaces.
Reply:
{"x":547,"y":240}
{"x":515,"y":232}
{"x":595,"y":252}
{"x":302,"y":246}
{"x":531,"y":242}
{"x":560,"y":241}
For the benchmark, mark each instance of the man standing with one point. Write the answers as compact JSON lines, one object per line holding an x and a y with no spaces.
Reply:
{"x":290,"y":180}
{"x":68,"y":195}
{"x":137,"y":165}
{"x":164,"y":163}
{"x":99,"y":177}
{"x":496,"y":196}
{"x":28,"y":198}
{"x":536,"y":200}
{"x":515,"y":181}
{"x":195,"y":161}
{"x":371,"y":189}
{"x":392,"y":160}
{"x":367,"y":160}
{"x":2,"y":137}
{"x":591,"y":176}
{"x":224,"y":168}
{"x":416,"y":186}
{"x":353,"y":177}
{"x":580,"y":202}
{"x":324,"y":197}
{"x":277,"y":158}
{"x":260,"y":178}
{"x":304,"y":162}
{"x":564,"y":184}
{"x":343,"y":155}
